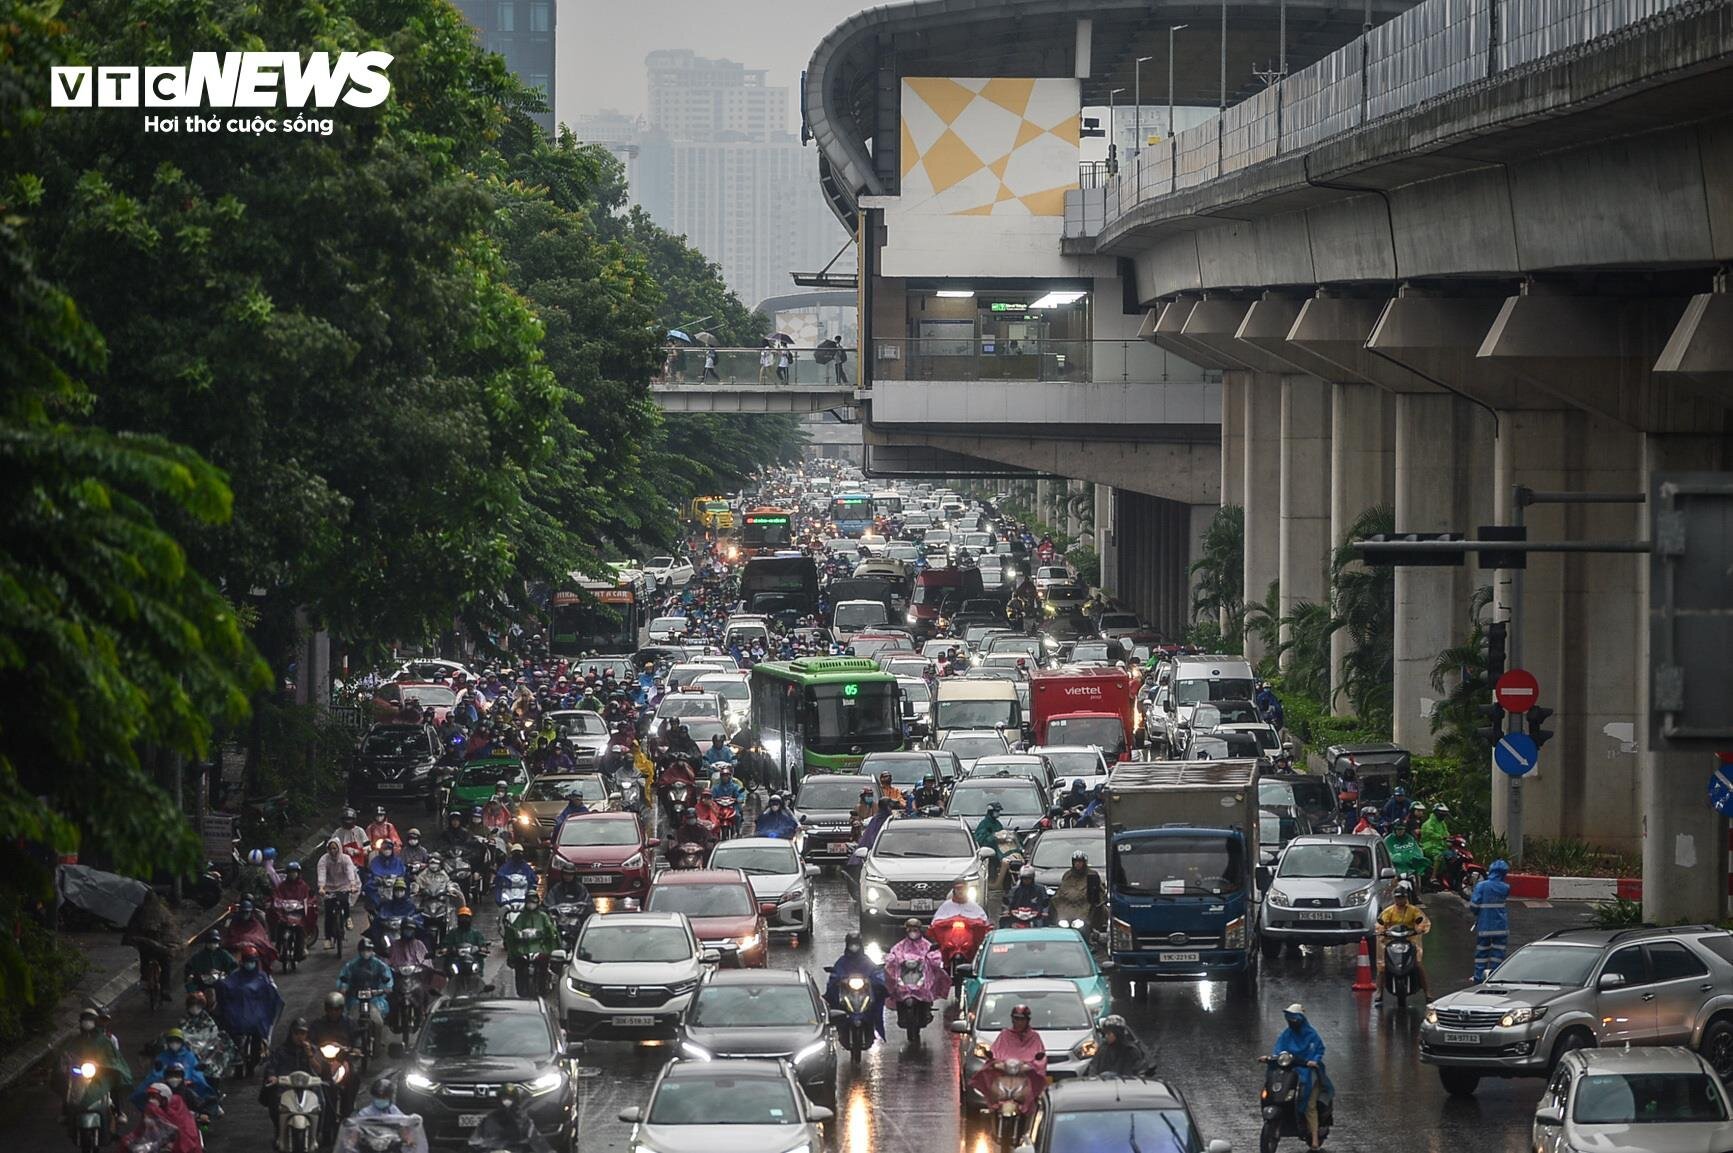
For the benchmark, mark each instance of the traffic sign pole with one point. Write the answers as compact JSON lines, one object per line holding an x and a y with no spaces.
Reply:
{"x":1513,"y":610}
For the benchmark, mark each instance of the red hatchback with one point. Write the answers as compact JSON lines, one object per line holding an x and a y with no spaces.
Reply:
{"x":724,"y":914}
{"x":612,"y":857}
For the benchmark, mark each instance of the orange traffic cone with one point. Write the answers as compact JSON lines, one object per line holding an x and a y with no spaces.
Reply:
{"x":1363,"y":971}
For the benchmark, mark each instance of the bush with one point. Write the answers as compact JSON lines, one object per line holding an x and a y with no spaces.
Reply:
{"x":1087,"y":562}
{"x":47,"y":969}
{"x":1618,"y":913}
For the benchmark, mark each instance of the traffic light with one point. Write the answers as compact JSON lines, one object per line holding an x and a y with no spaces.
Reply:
{"x":1535,"y":719}
{"x":1495,"y":658}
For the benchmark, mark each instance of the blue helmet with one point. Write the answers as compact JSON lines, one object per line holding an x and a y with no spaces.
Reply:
{"x":1498,"y":868}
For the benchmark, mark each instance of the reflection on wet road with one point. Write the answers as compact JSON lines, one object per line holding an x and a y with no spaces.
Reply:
{"x":899,"y":1099}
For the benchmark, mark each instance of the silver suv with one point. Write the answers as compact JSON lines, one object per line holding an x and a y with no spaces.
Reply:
{"x":1327,"y":890}
{"x":1581,"y":988}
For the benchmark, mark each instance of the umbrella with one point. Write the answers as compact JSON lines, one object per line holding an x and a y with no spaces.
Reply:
{"x":707,"y":338}
{"x":676,"y":334}
{"x":783,"y":337}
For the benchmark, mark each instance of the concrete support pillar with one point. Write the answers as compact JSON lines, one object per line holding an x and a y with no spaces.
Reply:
{"x":1044,"y":501}
{"x":1263,"y":490}
{"x":1426,"y":617}
{"x":1305,"y":460}
{"x":1234,"y":437}
{"x":1684,"y":840}
{"x":1362,"y":476}
{"x":1074,"y":490}
{"x":1107,"y":539}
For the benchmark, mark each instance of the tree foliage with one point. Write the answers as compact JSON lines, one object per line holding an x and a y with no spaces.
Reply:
{"x":1220,"y":571}
{"x":1363,"y":599}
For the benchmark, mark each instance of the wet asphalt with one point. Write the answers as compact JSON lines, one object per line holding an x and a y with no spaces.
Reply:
{"x":899,"y":1099}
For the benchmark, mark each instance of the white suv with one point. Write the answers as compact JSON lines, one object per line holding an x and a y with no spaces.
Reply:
{"x":631,"y":976}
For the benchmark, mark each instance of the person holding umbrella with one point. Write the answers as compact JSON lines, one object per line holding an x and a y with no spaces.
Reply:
{"x":709,"y":373}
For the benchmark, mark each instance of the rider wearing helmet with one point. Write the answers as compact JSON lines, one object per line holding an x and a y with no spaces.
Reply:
{"x":1119,"y":1053}
{"x":855,"y":963}
{"x":510,"y":1125}
{"x":1027,"y":893}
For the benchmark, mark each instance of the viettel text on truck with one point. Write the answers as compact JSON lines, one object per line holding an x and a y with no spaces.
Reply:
{"x":1083,"y":705}
{"x":1182,"y":854}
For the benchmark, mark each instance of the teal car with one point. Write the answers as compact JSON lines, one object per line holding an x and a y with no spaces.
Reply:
{"x":1026,"y":953}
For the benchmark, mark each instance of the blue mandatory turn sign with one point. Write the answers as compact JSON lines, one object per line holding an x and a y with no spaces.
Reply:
{"x":1516,"y":754}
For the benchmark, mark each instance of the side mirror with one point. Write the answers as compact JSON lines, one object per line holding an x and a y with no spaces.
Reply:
{"x":965,"y":971}
{"x":1611,"y":980}
{"x":813,"y":870}
{"x":1552,"y":1114}
{"x":574,"y":1050}
{"x":1219,"y":1146}
{"x":837,"y":1016}
{"x":1107,"y":964}
{"x":711,"y":956}
{"x":1386,"y":874}
{"x":958,"y":1026}
{"x":984,"y":853}
{"x":1266,"y":876}
{"x":632,"y":1116}
{"x":801,"y":818}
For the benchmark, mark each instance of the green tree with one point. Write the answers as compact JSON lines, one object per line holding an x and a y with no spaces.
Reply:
{"x":1460,"y":674}
{"x":1363,"y":600}
{"x":1305,"y":655}
{"x":1219,"y":593}
{"x":1263,"y":620}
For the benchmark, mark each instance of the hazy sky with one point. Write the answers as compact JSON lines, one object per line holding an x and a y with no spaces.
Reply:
{"x":602,"y":43}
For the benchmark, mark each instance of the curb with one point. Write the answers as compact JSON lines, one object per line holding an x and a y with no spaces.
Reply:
{"x":24,"y":1058}
{"x":1536,"y":887}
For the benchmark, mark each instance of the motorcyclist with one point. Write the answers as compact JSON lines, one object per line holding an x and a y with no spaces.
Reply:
{"x":247,"y":927}
{"x":1077,"y":798}
{"x":352,"y":835}
{"x":515,"y":867}
{"x":91,"y":1045}
{"x":870,"y":834}
{"x":178,"y":1056}
{"x":211,"y":958}
{"x":926,"y":795}
{"x":1303,"y":1041}
{"x":382,"y":830}
{"x":414,"y":853}
{"x":381,"y":1104}
{"x":888,"y":789}
{"x":435,"y":892}
{"x":362,"y":973}
{"x":1018,"y":1043}
{"x":932,"y":984}
{"x":297,"y":1054}
{"x":726,"y":786}
{"x":1091,"y":817}
{"x":529,"y":933}
{"x":1406,"y":913}
{"x":709,"y":813}
{"x":165,"y":1113}
{"x":1348,"y":791}
{"x":248,"y":1001}
{"x":1027,"y":893}
{"x":987,"y":829}
{"x":855,"y":963}
{"x":205,"y":1037}
{"x":959,"y":906}
{"x":687,"y":829}
{"x":776,"y":820}
{"x":1079,"y":893}
{"x":718,"y":753}
{"x":465,"y":934}
{"x":386,"y":866}
{"x":1435,"y":837}
{"x":1269,"y":706}
{"x":1396,"y":808}
{"x":510,"y":1126}
{"x":199,"y":1107}
{"x":566,"y":888}
{"x":1119,"y":1052}
{"x":1405,"y":852}
{"x":673,"y":774}
{"x":455,"y":838}
{"x":289,"y":886}
{"x":497,"y":813}
{"x":574,"y":807}
{"x":681,"y":745}
{"x":1368,"y":821}
{"x":865,"y":806}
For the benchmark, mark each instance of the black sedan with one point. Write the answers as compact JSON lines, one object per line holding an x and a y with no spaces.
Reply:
{"x":764,"y":1013}
{"x":469,"y":1048}
{"x":396,"y":765}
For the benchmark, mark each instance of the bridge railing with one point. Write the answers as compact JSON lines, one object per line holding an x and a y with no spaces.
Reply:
{"x":1070,"y":361}
{"x":685,"y":367}
{"x":1431,"y":49}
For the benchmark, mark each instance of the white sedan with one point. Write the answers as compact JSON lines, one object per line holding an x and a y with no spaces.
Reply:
{"x":779,"y":880}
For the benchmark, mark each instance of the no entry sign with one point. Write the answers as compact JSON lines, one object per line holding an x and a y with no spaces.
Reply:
{"x":1516,"y":691}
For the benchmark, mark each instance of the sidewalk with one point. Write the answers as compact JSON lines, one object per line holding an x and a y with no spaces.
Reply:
{"x":112,"y":973}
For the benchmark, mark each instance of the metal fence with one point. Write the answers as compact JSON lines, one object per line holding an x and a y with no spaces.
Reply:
{"x":1433,"y":48}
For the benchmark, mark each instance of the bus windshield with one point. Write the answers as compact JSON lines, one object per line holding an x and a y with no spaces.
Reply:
{"x":580,"y":628}
{"x":845,"y":718}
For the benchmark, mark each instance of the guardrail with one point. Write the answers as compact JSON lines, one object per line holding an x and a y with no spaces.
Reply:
{"x":1072,"y":361}
{"x":745,"y":366}
{"x":1433,"y":48}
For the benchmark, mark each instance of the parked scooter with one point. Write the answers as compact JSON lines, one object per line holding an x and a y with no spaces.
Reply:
{"x":1284,"y":1112}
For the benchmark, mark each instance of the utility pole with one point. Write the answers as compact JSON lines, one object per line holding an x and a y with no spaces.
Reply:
{"x":1112,"y":140}
{"x":1172,"y":152}
{"x":1137,"y":98}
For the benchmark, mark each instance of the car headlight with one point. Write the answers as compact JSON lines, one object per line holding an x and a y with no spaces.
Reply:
{"x":874,"y":896}
{"x":417,"y":1081}
{"x":587,"y":988}
{"x":750,"y":942}
{"x":791,"y":895}
{"x":1521,"y":1016}
{"x":813,"y":1050}
{"x":1084,"y":1049}
{"x":1357,"y":898}
{"x":635,"y":861}
{"x":679,"y":988}
{"x":1431,"y":1016}
{"x":1235,"y":936}
{"x":694,"y":1051}
{"x":1280,"y":899}
{"x":547,"y":1082}
{"x":983,"y":1050}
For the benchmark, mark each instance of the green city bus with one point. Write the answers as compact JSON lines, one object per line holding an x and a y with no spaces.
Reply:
{"x":824,"y":714}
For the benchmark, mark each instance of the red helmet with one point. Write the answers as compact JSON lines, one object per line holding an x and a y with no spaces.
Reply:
{"x":249,"y":951}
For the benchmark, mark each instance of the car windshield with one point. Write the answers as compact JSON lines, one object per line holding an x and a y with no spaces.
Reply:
{"x":723,"y":899}
{"x":559,"y":788}
{"x":642,"y":943}
{"x":1022,"y":646}
{"x":579,"y":724}
{"x":1143,"y":1130}
{"x":1018,"y":799}
{"x":1179,"y":866}
{"x":767,"y":860}
{"x":817,"y":792}
{"x":430,"y":696}
{"x":1059,"y":958}
{"x":668,"y":625}
{"x":1106,"y":732}
{"x":581,"y":832}
{"x":688,"y":705}
{"x":1192,"y":692}
{"x":739,"y":1006}
{"x":1075,"y":763}
{"x":928,"y":841}
{"x":974,"y":748}
{"x":404,"y":741}
{"x":477,"y":776}
{"x":1647,"y":1099}
{"x":485,"y":1033}
{"x":1055,"y":852}
{"x":722,"y":1098}
{"x":1547,"y":964}
{"x":903,"y":770}
{"x":913,"y":689}
{"x":1058,"y":1009}
{"x":1090,"y":652}
{"x":728,"y":688}
{"x":860,"y":616}
{"x":1327,"y":861}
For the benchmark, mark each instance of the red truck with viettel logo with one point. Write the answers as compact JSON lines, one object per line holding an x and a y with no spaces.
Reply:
{"x":1083,"y":705}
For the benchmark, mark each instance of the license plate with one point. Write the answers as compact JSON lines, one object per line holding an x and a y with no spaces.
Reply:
{"x":634,"y":1022}
{"x":1178,"y":956}
{"x":596,"y":879}
{"x":1316,"y":915}
{"x":387,"y":786}
{"x":469,"y":1120}
{"x":834,"y":847}
{"x":923,"y":904}
{"x":1462,"y":1038}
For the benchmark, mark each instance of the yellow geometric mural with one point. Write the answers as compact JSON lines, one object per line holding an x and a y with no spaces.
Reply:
{"x":988,"y":146}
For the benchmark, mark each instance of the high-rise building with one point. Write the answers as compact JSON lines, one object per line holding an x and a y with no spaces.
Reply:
{"x":523,"y":32}
{"x":695,"y":98}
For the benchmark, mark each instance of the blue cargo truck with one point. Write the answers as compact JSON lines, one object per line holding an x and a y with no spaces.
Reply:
{"x":1182,"y":856}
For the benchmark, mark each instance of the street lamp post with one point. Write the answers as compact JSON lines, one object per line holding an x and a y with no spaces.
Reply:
{"x":1172,"y":155}
{"x":1137,"y":98}
{"x":1112,"y":140}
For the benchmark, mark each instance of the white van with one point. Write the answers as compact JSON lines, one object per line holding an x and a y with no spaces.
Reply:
{"x":852,"y":617}
{"x":977,"y":704}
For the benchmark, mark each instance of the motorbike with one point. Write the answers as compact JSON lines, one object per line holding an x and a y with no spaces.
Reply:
{"x":290,"y":917}
{"x":1005,"y":1098}
{"x":535,"y":976}
{"x":464,"y":970}
{"x":855,"y":1030}
{"x":914,"y":1012}
{"x":300,"y":1110}
{"x":570,"y":917}
{"x":412,"y":991}
{"x":1401,"y":967}
{"x":363,"y":1025}
{"x":463,"y":875}
{"x":511,"y":899}
{"x":251,"y":1051}
{"x":630,"y":787}
{"x":381,"y":1134}
{"x":1284,"y":1112}
{"x":89,"y":1109}
{"x":1023,"y":917}
{"x":959,"y":939}
{"x":1460,"y":871}
{"x":687,"y":855}
{"x":1010,"y":850}
{"x":338,"y":1058}
{"x":729,"y":813}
